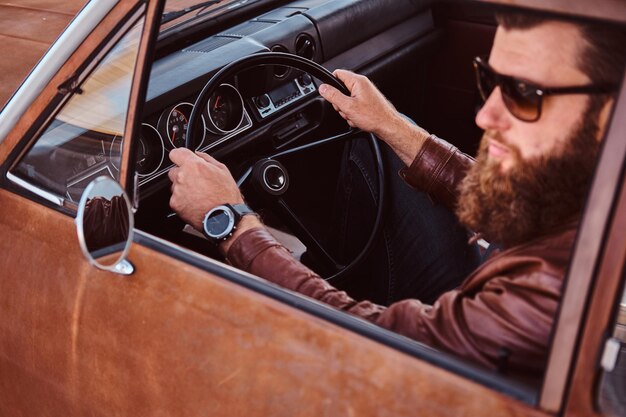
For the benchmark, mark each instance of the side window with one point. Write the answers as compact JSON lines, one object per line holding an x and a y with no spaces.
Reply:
{"x":83,"y":140}
{"x":612,"y":396}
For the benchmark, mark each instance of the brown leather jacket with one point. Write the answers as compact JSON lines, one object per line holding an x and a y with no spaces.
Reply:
{"x":505,"y":308}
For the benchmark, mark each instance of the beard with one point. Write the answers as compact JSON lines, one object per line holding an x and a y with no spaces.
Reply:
{"x":533,"y":197}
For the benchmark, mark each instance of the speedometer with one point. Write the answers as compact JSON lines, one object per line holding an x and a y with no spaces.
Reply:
{"x":225,"y":109}
{"x":177,"y":123}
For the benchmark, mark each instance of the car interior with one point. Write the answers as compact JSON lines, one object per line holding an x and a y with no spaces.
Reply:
{"x":263,"y":117}
{"x":242,"y":86}
{"x":262,"y":110}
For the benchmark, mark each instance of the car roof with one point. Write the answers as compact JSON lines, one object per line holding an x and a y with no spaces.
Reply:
{"x":610,"y":10}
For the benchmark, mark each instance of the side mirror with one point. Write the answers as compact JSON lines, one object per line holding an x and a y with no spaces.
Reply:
{"x":104,"y":223}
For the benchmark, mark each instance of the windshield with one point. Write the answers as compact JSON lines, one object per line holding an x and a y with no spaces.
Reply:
{"x":174,"y":11}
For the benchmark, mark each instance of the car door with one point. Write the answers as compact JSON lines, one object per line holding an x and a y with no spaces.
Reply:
{"x":184,"y":334}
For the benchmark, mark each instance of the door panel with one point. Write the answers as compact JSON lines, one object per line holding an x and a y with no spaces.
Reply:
{"x":175,"y":340}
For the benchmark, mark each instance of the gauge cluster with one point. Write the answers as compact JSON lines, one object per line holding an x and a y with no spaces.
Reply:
{"x":224,"y":116}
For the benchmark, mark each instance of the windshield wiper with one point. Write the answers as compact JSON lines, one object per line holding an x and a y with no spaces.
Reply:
{"x":169,"y":16}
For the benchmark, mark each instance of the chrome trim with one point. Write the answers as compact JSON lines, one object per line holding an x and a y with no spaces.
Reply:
{"x":275,"y":107}
{"x":35,"y":190}
{"x":82,"y":25}
{"x":103,"y":168}
{"x":121,"y":266}
{"x":85,"y":175}
{"x":610,"y":354}
{"x":234,"y":132}
{"x":247,"y":126}
{"x":284,"y":177}
{"x":110,"y":153}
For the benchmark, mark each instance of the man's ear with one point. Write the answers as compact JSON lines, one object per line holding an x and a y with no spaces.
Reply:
{"x":603,"y":118}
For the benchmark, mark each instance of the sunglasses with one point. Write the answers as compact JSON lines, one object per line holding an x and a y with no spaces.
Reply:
{"x":522,"y":98}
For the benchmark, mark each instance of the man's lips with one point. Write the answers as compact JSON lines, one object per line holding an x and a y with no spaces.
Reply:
{"x":497,"y":149}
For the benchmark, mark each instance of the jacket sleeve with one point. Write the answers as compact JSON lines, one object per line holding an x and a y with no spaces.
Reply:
{"x":504,"y":321}
{"x":437,"y":170}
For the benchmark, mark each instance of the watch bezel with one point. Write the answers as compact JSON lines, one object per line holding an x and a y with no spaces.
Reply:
{"x":229,"y":227}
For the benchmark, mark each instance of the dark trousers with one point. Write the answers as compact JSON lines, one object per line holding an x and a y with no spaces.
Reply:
{"x":422,"y":250}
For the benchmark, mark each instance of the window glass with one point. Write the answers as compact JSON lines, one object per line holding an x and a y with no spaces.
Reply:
{"x":613,"y":386}
{"x":83,"y":141}
{"x":180,"y":11}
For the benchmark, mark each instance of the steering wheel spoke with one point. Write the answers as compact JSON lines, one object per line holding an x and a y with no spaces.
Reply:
{"x":306,"y":147}
{"x":311,"y":242}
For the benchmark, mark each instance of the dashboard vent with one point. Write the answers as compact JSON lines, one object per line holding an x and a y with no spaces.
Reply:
{"x":280,"y":71}
{"x":305,"y":46}
{"x":209,"y":44}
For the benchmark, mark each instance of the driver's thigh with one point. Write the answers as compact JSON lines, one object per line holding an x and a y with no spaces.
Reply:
{"x":422,"y":251}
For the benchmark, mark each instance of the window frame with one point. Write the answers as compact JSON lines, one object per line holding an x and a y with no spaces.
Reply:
{"x":115,"y":25}
{"x":594,"y":277}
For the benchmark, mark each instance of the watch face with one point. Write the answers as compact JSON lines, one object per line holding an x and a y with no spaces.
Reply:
{"x":219,"y":222}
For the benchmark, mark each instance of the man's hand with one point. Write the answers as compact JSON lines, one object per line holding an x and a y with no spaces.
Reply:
{"x":366,"y":108}
{"x":199,"y":183}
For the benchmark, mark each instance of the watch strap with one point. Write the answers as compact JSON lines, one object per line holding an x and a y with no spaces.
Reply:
{"x":241,"y":210}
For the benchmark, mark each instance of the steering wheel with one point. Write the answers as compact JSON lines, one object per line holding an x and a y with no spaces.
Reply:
{"x":271,"y":176}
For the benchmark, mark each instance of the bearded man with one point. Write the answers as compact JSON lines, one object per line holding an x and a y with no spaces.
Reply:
{"x":547,"y":89}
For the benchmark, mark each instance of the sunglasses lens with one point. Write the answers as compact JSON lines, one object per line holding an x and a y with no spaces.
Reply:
{"x":486,"y":81}
{"x":522,"y":100}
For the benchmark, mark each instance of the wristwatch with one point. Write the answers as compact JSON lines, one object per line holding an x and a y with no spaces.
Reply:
{"x":220,"y":222}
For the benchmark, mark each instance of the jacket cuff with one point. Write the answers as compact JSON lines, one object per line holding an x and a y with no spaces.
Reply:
{"x":248,"y":246}
{"x":437,"y":170}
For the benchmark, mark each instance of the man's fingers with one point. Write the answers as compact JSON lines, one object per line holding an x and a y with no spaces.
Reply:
{"x":172,"y":175}
{"x":209,"y":159}
{"x":347,"y":77}
{"x":179,"y":155}
{"x":334,"y":96}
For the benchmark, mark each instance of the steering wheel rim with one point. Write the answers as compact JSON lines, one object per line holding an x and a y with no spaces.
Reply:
{"x":322,"y":74}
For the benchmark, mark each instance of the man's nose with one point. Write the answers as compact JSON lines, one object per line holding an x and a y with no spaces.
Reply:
{"x":494,"y":114}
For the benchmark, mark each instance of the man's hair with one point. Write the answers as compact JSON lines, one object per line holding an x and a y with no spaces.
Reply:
{"x":604,"y":55}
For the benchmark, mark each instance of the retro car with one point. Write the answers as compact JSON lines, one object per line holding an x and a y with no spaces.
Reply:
{"x":147,"y":319}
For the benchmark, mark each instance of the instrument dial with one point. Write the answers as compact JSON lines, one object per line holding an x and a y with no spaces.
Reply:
{"x":225,"y":109}
{"x":177,"y":124}
{"x":149,"y":153}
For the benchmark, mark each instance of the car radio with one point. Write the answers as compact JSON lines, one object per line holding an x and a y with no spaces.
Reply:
{"x":280,"y":97}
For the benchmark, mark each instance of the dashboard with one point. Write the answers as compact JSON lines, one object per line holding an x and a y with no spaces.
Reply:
{"x":277,"y":105}
{"x":225,"y":117}
{"x":271,"y":105}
